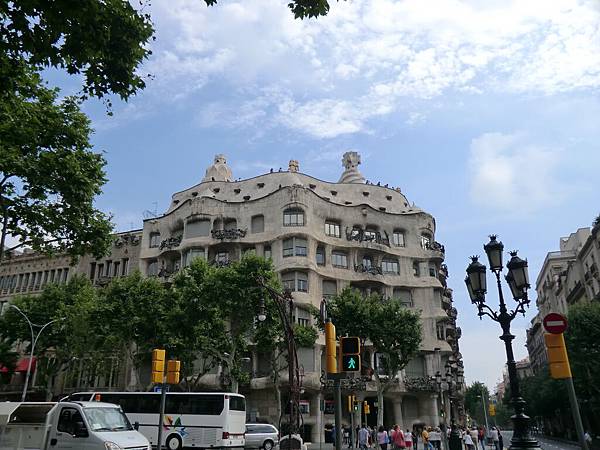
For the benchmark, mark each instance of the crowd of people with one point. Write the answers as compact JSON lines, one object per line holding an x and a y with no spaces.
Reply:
{"x":429,"y":438}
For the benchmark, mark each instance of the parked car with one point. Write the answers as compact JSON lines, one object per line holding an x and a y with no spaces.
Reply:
{"x":261,"y":435}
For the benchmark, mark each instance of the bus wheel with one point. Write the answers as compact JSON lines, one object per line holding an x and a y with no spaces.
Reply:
{"x":174,"y":442}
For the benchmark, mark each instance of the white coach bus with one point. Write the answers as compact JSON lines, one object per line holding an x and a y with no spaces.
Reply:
{"x":192,"y":419}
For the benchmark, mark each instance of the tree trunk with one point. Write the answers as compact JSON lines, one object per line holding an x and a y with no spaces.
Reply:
{"x":379,"y":403}
{"x":4,"y":232}
{"x":278,"y":399}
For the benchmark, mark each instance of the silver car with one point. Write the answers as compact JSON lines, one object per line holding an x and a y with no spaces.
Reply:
{"x":261,"y":435}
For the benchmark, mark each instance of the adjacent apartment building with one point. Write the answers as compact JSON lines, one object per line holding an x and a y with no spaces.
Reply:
{"x":568,"y":276}
{"x":322,"y":237}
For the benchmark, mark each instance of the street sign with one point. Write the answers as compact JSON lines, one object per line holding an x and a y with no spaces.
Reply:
{"x":555,"y":323}
{"x":351,"y":363}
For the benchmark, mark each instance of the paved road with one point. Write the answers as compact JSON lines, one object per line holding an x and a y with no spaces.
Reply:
{"x":545,"y":443}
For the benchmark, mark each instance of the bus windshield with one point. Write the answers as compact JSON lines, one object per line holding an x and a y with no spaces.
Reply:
{"x":107,"y":419}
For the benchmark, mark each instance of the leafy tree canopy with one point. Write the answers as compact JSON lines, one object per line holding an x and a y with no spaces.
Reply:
{"x":300,"y":8}
{"x":103,"y":40}
{"x":473,"y":402}
{"x":49,"y":176}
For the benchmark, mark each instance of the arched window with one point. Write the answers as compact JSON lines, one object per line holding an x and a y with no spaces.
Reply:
{"x":295,"y":281}
{"x":389,"y":265}
{"x":329,"y":288}
{"x":152,"y":269}
{"x":398,"y":238}
{"x":197,"y":228}
{"x":339,"y":259}
{"x":293,"y":217}
{"x":192,"y":254}
{"x":332,"y":228}
{"x":294,"y":246}
{"x":320,"y":256}
{"x":425,"y":240}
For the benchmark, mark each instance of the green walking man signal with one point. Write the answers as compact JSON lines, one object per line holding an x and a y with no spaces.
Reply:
{"x":350,"y":347}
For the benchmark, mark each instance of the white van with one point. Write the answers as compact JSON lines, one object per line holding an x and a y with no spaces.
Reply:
{"x":72,"y":425}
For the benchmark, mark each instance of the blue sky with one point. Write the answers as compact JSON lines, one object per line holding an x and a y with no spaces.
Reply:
{"x":485,"y":113}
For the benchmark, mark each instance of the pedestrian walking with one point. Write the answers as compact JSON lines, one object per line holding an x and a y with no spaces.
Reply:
{"x":408,"y":439}
{"x":500,"y":439}
{"x":481,"y":436}
{"x":495,"y":438}
{"x":425,"y":436}
{"x":382,"y":438}
{"x":363,"y":438}
{"x":475,"y":437}
{"x":435,"y":437}
{"x":398,"y":438}
{"x":468,"y":440}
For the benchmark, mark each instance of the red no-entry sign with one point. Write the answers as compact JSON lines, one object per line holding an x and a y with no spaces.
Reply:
{"x":555,"y":323}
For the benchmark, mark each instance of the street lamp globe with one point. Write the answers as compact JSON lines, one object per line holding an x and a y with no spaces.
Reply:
{"x":474,"y":298}
{"x":262,"y":317}
{"x":515,"y":291}
{"x":476,"y":274}
{"x":494,"y":251}
{"x":517,"y":268}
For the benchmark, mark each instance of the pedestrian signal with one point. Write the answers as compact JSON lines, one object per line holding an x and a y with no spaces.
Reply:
{"x":351,"y":363}
{"x":350,"y":349}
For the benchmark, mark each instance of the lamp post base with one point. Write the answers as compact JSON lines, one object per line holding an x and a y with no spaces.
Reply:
{"x":522,"y":438}
{"x":455,"y":442}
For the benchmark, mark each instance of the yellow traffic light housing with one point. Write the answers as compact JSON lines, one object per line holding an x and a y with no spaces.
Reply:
{"x":158,"y":366}
{"x":557,"y":356}
{"x":173,"y":367}
{"x":330,"y":348}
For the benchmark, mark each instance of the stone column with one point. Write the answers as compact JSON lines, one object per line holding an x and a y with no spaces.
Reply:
{"x":398,"y":419}
{"x":434,"y":410}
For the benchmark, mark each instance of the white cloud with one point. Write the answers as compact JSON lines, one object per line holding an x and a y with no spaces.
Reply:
{"x":507,"y":172}
{"x":369,"y":57}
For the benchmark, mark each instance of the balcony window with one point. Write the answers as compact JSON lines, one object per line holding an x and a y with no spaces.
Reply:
{"x":257,"y":224}
{"x":267,"y":252}
{"x":154,"y":240}
{"x":294,"y":247}
{"x":152,"y":269}
{"x":441,"y":331}
{"x":222,"y":257}
{"x":192,"y":254}
{"x":320,"y":256}
{"x":197,"y":228}
{"x":415,"y":368}
{"x":367,"y":262}
{"x":295,"y":281}
{"x":416,"y":270}
{"x":398,"y":238}
{"x":230,"y":224}
{"x":432,"y":270}
{"x":404,"y":296}
{"x":425,"y":241}
{"x":339,"y":259}
{"x":370,"y":234}
{"x":293,"y":217}
{"x":390,"y":266}
{"x":329,"y":288}
{"x":332,"y":229}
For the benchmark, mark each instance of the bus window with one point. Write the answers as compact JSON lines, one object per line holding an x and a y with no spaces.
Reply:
{"x":237,"y":404}
{"x":178,"y":404}
{"x":209,"y":405}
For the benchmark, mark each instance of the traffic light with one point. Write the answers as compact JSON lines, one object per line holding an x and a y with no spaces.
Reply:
{"x":330,"y":348}
{"x":158,"y":365}
{"x":492,"y":409}
{"x":367,"y":407}
{"x":350,"y":347}
{"x":557,"y":356}
{"x":352,"y":403}
{"x":173,"y":367}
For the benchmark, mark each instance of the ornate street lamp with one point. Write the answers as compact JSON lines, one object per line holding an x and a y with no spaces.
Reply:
{"x":517,"y":279}
{"x":284,"y":303}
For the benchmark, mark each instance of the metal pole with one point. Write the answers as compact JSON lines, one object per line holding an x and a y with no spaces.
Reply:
{"x":161,"y":416}
{"x":576,"y":414}
{"x":487,"y":427}
{"x":337,"y":385}
{"x":351,"y":443}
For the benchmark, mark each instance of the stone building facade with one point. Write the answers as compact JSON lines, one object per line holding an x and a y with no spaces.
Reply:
{"x":322,"y":237}
{"x":567,"y":277}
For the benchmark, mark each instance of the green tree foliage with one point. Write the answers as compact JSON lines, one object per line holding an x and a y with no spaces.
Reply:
{"x":70,"y":305}
{"x":582,"y":339}
{"x":104,"y":41}
{"x":48,"y":174}
{"x":300,"y":8}
{"x":473,"y":403}
{"x":394,"y":332}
